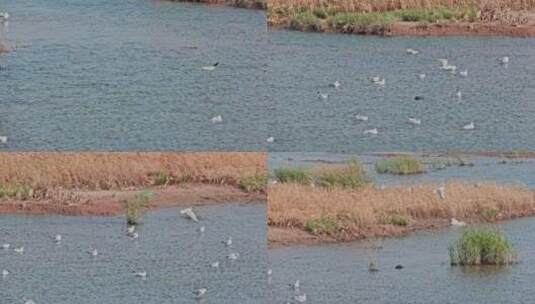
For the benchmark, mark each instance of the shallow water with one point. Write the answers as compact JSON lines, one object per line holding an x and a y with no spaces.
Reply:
{"x":485,"y":169}
{"x":498,"y":99}
{"x":126,"y":75}
{"x":175,"y":255}
{"x":339,"y":273}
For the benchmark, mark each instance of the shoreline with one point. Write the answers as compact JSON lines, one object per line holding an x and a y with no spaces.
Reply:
{"x":111,"y":202}
{"x":245,"y":4}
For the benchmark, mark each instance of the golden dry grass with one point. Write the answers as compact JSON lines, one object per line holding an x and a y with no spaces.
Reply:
{"x":391,"y":5}
{"x":362,"y":212}
{"x":102,"y":171}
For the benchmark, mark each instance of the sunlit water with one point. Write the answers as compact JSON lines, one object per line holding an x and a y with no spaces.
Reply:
{"x":339,"y":273}
{"x":126,"y":75}
{"x":498,"y":99}
{"x":170,"y":249}
{"x":482,"y":169}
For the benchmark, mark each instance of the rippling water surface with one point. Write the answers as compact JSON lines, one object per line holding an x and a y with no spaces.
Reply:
{"x":339,"y":273}
{"x":126,"y":75}
{"x":170,"y":249}
{"x":498,"y":99}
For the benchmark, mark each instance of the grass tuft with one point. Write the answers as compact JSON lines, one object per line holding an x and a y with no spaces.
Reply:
{"x":16,"y":191}
{"x":322,"y":225}
{"x":293,"y":175}
{"x":352,"y":175}
{"x":401,"y":165}
{"x":257,"y":183}
{"x":136,"y":207}
{"x":396,"y":220}
{"x":482,"y":247}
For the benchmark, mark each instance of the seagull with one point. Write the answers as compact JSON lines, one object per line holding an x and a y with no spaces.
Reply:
{"x":378,"y":81}
{"x":199,"y":293}
{"x":131,"y":229}
{"x":4,"y":16}
{"x":504,"y":60}
{"x":210,"y":67}
{"x":270,"y":139}
{"x":300,"y":298}
{"x":295,"y":286}
{"x":29,"y":301}
{"x":269,"y":272}
{"x":201,"y":230}
{"x":422,"y":76}
{"x":463,"y":73}
{"x":443,"y":61}
{"x":459,"y":94}
{"x":5,"y":273}
{"x":134,"y":235}
{"x":57,"y":238}
{"x":94,"y":252}
{"x":215,"y":264}
{"x":3,"y":139}
{"x":228,"y":242}
{"x":412,"y":52}
{"x":141,"y":274}
{"x":469,"y":126}
{"x":441,"y":192}
{"x":188,"y":212}
{"x":233,"y":256}
{"x":19,"y":250}
{"x":335,"y":84}
{"x":457,"y":223}
{"x":414,"y":121}
{"x":216,"y":119}
{"x":371,"y":131}
{"x":361,"y":117}
{"x":322,"y":95}
{"x":5,"y":246}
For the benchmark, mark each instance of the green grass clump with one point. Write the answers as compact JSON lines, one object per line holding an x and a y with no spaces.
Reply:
{"x":353,"y":175}
{"x":396,"y":220}
{"x":361,"y":22}
{"x":402,"y":165}
{"x":305,"y":21}
{"x":321,"y":225}
{"x":257,"y":183}
{"x":16,"y":191}
{"x":136,"y":207}
{"x":293,"y":175}
{"x":482,"y":247}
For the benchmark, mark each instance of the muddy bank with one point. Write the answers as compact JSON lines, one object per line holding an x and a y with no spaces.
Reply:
{"x":249,"y":4}
{"x":111,"y":202}
{"x":299,"y":214}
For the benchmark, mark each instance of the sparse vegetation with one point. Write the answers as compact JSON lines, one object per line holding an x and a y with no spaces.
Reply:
{"x":482,"y":247}
{"x":161,"y":179}
{"x":395,"y":219}
{"x":257,"y":183}
{"x":322,"y":225}
{"x":136,"y":207}
{"x":352,"y":175}
{"x":401,"y":165}
{"x":16,"y":191}
{"x":293,"y":175}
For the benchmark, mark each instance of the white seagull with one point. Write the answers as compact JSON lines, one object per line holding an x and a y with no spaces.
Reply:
{"x":4,"y":16}
{"x":270,"y":139}
{"x":504,"y":60}
{"x":371,"y":131}
{"x":335,"y":84}
{"x":140,"y":274}
{"x":5,"y":246}
{"x":361,"y":117}
{"x":217,"y":119}
{"x":422,"y":76}
{"x":228,"y":242}
{"x":131,"y":229}
{"x":295,"y":286}
{"x":57,"y":238}
{"x":201,"y":229}
{"x":412,"y":52}
{"x":459,"y":94}
{"x":300,"y":298}
{"x":215,"y":264}
{"x":322,"y":95}
{"x":469,"y":126}
{"x":199,"y":293}
{"x":3,"y":139}
{"x":233,"y":256}
{"x":414,"y":121}
{"x":19,"y":250}
{"x":441,"y":192}
{"x":134,"y":235}
{"x":455,"y":222}
{"x":378,"y":81}
{"x":5,"y":273}
{"x":94,"y":252}
{"x":29,"y":301}
{"x":188,"y":212}
{"x":210,"y":67}
{"x":463,"y":73}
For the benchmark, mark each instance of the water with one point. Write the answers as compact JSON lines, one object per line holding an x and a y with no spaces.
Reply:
{"x":498,"y":99}
{"x":339,"y":273}
{"x":485,"y":169}
{"x":108,"y":75}
{"x":175,"y":255}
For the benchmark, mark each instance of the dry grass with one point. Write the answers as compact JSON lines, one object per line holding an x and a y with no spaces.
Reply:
{"x":117,"y":171}
{"x":369,"y":212}
{"x":391,"y":5}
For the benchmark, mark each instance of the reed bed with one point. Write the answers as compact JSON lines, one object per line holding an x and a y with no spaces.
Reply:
{"x":117,"y":171}
{"x":369,"y":211}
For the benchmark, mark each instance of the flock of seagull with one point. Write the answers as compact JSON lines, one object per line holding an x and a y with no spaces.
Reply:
{"x":131,"y":232}
{"x":381,"y":82}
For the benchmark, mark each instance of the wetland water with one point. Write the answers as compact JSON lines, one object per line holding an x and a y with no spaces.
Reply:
{"x":170,"y":249}
{"x":497,"y":98}
{"x":108,"y":75}
{"x":339,"y":273}
{"x":484,"y":169}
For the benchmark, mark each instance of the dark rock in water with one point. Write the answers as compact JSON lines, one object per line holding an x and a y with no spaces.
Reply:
{"x":399,"y":267}
{"x":418,"y":97}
